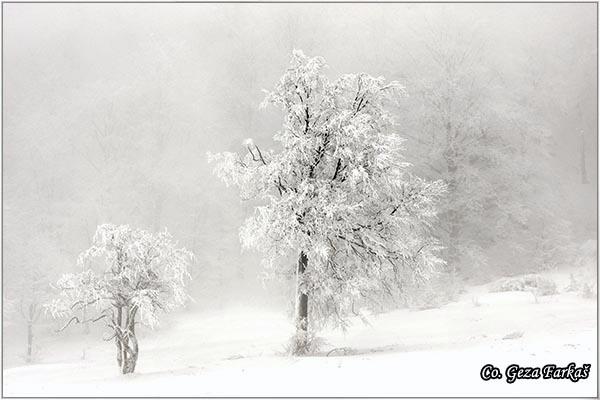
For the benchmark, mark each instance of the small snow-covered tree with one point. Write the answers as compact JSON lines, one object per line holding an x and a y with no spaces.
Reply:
{"x":128,"y":276}
{"x":338,"y":194}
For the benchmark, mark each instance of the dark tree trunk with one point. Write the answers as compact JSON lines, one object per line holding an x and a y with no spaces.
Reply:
{"x":301,"y":339}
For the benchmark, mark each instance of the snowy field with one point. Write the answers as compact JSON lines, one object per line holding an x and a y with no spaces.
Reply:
{"x":239,"y":352}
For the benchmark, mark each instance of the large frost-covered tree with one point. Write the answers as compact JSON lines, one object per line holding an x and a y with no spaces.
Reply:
{"x":338,"y":194}
{"x":128,"y":276}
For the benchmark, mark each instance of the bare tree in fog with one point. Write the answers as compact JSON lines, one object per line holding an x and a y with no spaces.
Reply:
{"x":27,"y":279}
{"x":467,"y":128}
{"x":339,"y":194}
{"x":33,"y":290}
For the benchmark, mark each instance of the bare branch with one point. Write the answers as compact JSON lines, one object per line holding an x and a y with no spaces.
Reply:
{"x":69,"y":323}
{"x":78,"y":321}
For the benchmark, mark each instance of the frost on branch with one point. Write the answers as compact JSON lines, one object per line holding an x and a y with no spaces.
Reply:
{"x":339,"y":191}
{"x":128,"y":275}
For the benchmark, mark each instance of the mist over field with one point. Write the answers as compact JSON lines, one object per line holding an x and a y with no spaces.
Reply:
{"x":110,"y":110}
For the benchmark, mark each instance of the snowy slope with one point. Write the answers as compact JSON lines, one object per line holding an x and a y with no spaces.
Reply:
{"x":402,"y":353}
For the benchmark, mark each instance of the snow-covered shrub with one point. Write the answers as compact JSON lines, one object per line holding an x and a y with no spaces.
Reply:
{"x":587,"y":253}
{"x":513,"y":335}
{"x":545,"y":287}
{"x":589,"y":290}
{"x":434,"y":293}
{"x":538,"y":284}
{"x":586,"y":276}
{"x":573,"y":285}
{"x":128,"y":276}
{"x":338,"y":194}
{"x":584,"y":283}
{"x":305,"y":342}
{"x":508,"y":285}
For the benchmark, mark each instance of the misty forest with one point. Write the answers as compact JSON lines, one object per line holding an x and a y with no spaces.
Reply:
{"x":297,"y":199}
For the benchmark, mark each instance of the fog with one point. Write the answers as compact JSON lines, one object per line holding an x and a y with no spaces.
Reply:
{"x":109,"y":111}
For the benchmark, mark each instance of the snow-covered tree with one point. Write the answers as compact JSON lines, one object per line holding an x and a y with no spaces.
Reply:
{"x":128,"y":276}
{"x":338,"y":194}
{"x":469,"y":125}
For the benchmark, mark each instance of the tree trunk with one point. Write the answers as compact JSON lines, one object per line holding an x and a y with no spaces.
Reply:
{"x":29,"y":342}
{"x":132,"y":355}
{"x":127,"y":353}
{"x":118,"y":339}
{"x":584,"y":178}
{"x":450,"y":156}
{"x":32,"y":316}
{"x":126,"y":342}
{"x":132,"y":345}
{"x":301,"y":339}
{"x":453,"y":255}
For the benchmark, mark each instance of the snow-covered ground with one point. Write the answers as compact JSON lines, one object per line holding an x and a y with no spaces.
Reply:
{"x":239,"y":352}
